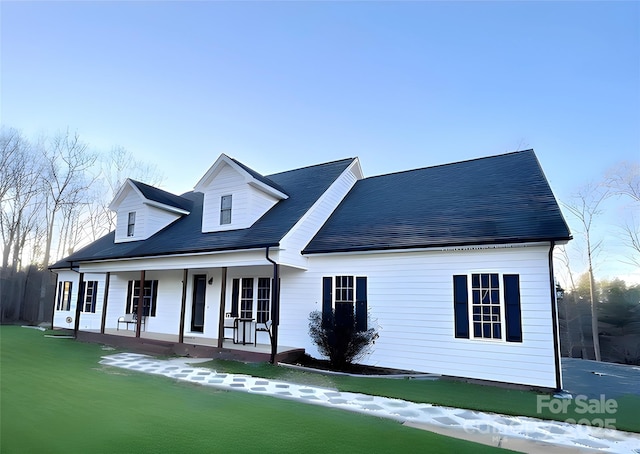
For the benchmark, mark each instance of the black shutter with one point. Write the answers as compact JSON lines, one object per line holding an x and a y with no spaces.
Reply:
{"x":361,"y":303}
{"x":235,"y":294}
{"x":327,"y":299}
{"x":460,"y":306}
{"x":69,"y":296}
{"x":94,"y":296}
{"x":512,"y":307}
{"x":154,"y":297}
{"x":129,"y":295}
{"x":59,"y":295}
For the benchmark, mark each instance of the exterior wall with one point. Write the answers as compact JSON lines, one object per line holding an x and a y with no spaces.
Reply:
{"x":306,"y":228}
{"x":410,"y":301}
{"x":59,"y":317}
{"x":149,"y":220}
{"x":248,"y":203}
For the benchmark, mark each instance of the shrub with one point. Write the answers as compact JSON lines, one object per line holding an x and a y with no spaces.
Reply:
{"x":341,"y":342}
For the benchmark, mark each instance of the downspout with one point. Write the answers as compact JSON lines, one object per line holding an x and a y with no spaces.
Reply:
{"x":275,"y":307}
{"x":554,"y":317}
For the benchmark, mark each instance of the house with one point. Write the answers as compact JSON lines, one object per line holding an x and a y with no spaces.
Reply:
{"x":452,"y":264}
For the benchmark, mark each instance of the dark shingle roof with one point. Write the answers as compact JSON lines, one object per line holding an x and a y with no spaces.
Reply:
{"x":304,"y":186}
{"x":259,"y":177}
{"x":164,"y":197}
{"x":495,"y":200}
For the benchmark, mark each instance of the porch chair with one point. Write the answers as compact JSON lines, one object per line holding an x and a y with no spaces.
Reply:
{"x":130,"y":319}
{"x":230,"y":322}
{"x":261,"y":327}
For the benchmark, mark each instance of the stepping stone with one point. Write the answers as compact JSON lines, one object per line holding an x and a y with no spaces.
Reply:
{"x":446,"y":420}
{"x":215,"y":381}
{"x":557,"y":430}
{"x":239,"y":379}
{"x":281,"y":385}
{"x":284,"y":393}
{"x":258,"y":388}
{"x":469,"y":415}
{"x":308,"y":397}
{"x":307,"y":390}
{"x":181,"y":375}
{"x":332,"y":394}
{"x":372,"y":407}
{"x":337,"y":401}
{"x":407,"y":413}
{"x":236,"y":385}
{"x":262,"y":382}
{"x":537,"y":435}
{"x":591,"y":444}
{"x":397,"y":404}
{"x":197,"y":378}
{"x":204,"y":373}
{"x":365,"y":398}
{"x":171,"y":368}
{"x":431,"y":411}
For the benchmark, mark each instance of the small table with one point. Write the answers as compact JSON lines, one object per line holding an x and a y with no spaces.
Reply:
{"x":244,"y":327}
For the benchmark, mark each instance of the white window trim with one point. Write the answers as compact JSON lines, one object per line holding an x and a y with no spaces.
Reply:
{"x":493,"y":340}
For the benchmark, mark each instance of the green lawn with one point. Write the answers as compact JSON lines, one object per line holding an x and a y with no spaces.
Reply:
{"x":55,"y":397}
{"x":441,"y":392}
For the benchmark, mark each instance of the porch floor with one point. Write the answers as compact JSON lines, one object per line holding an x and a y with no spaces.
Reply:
{"x":193,"y":346}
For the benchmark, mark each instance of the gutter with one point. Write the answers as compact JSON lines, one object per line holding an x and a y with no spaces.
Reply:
{"x":554,"y":317}
{"x":275,"y":307}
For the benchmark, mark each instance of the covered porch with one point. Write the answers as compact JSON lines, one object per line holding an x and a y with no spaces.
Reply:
{"x":193,"y":346}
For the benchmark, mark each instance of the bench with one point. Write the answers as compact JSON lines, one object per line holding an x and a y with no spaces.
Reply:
{"x":129,"y":319}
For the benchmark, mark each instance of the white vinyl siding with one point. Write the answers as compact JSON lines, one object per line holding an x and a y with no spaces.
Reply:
{"x":148,"y":219}
{"x":410,"y":299}
{"x":306,"y":228}
{"x":249,"y":203}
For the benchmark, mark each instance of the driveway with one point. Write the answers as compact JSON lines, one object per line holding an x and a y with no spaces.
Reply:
{"x":593,"y":378}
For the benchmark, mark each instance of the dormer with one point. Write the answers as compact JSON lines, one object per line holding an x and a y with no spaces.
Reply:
{"x":235,"y":196}
{"x":144,"y":210}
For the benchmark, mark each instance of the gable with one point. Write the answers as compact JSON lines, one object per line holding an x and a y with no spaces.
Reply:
{"x":244,"y":194}
{"x":495,"y":200}
{"x":143,"y":210}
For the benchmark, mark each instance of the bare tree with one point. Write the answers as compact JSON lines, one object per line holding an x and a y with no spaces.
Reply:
{"x":66,"y":161}
{"x":623,"y":180}
{"x":20,"y":194}
{"x":586,"y":207}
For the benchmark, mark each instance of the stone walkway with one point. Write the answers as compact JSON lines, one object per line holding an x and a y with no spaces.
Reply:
{"x":518,"y":433}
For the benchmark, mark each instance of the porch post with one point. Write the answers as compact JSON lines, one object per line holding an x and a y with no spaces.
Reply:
{"x":185,"y":276}
{"x":275,"y":309}
{"x":140,"y":304}
{"x":76,"y":324}
{"x":223,"y":296}
{"x":104,"y":302}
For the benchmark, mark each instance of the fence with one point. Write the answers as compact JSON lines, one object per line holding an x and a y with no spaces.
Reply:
{"x":26,"y":296}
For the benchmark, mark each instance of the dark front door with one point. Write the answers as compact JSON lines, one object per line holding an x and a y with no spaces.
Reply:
{"x":197,"y":310}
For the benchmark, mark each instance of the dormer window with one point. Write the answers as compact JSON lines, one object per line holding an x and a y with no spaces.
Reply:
{"x":225,"y":209}
{"x":131,"y":224}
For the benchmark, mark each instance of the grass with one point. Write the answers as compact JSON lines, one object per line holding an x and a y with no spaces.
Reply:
{"x":440,"y":392}
{"x":56,"y":398}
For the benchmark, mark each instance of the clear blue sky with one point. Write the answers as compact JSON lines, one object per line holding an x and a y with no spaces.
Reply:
{"x":281,"y":85}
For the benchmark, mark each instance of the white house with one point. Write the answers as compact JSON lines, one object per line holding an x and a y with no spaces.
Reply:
{"x":452,"y":264}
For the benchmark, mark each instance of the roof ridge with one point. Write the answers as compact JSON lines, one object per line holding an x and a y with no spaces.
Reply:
{"x":313,"y":165}
{"x":452,"y":163}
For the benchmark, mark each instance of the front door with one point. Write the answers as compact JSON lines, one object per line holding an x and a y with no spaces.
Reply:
{"x":197,"y":310}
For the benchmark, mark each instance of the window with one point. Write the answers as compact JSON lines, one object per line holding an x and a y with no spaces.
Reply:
{"x":346,"y":299}
{"x":492,"y":311}
{"x":246,"y":299}
{"x":149,"y":296}
{"x":90,"y":295}
{"x":264,"y":300}
{"x":131,"y":223}
{"x":64,"y":296}
{"x":247,"y":303}
{"x":225,"y":209}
